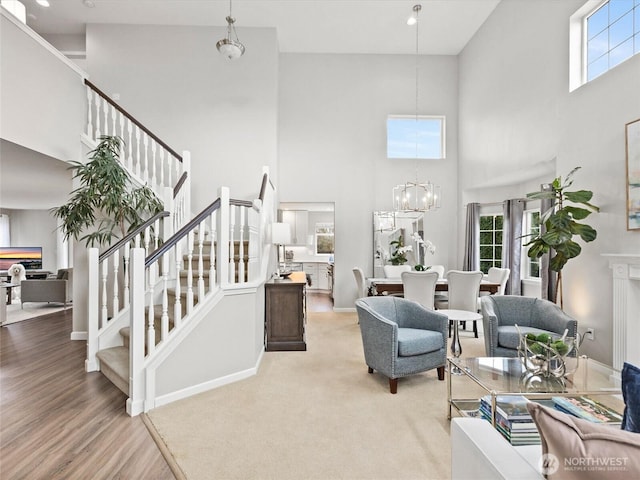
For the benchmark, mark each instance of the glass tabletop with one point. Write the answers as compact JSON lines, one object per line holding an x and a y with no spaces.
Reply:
{"x":508,"y":375}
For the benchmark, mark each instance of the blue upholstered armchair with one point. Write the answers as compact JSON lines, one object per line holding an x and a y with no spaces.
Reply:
{"x":500,"y":314}
{"x":401,"y":338}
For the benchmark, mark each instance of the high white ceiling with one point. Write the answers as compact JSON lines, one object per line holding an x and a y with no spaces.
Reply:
{"x":315,"y":26}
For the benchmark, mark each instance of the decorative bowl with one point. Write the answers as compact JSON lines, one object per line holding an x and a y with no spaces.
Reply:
{"x":546,"y":355}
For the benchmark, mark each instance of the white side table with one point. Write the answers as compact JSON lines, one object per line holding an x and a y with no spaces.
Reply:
{"x":457,"y":316}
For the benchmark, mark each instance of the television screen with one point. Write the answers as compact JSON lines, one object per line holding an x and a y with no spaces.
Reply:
{"x":30,"y":257}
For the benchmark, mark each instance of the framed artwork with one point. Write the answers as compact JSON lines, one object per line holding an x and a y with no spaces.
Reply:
{"x":632,"y":140}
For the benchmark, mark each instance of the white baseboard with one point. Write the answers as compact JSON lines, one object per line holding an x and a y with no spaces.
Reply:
{"x":134,"y":408}
{"x":205,"y":386}
{"x":79,"y":336}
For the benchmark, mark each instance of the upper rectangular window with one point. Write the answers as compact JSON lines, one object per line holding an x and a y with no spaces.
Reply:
{"x":490,"y":242}
{"x":416,"y":137}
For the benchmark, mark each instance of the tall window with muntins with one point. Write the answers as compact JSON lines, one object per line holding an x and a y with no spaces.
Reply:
{"x":416,"y":137}
{"x":612,"y":35}
{"x":530,"y":228}
{"x":324,"y":238}
{"x":490,"y":242}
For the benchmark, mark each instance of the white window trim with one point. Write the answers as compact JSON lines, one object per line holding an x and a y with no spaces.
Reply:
{"x":525,"y":272}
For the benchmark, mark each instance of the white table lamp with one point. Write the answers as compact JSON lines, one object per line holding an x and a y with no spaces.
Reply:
{"x":281,"y":235}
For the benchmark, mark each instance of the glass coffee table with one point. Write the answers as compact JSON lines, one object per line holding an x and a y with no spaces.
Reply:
{"x":507,"y":376}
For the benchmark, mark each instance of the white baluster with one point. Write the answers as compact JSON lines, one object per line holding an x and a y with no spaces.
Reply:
{"x":121,"y":121}
{"x":89,"y":112}
{"x":241,"y":265}
{"x":98,"y":103}
{"x":105,"y":112}
{"x":130,"y":145}
{"x":232,"y":227}
{"x":151,"y":329}
{"x":125,"y":286}
{"x":212,"y":260}
{"x":189,"y":272}
{"x":164,"y":320}
{"x":104,"y":312}
{"x":153,"y":162}
{"x":177,"y":306}
{"x":147,"y":240}
{"x":114,"y":114}
{"x":138,"y":159}
{"x":169,"y":168}
{"x":145,"y":172}
{"x":116,"y":299}
{"x":162,"y":152}
{"x":202,"y":233}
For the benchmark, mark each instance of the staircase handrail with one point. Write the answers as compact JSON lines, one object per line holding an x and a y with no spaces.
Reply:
{"x":179,"y":184}
{"x":130,"y":236}
{"x":132,"y":119}
{"x":180,"y":234}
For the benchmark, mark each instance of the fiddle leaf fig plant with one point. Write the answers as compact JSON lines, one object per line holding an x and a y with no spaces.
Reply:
{"x":561,"y":225}
{"x":107,"y":204}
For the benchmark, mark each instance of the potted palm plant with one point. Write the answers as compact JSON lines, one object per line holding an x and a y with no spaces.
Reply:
{"x":107,"y":204}
{"x":562,"y":226}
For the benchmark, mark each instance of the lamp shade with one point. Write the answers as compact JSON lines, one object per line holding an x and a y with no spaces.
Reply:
{"x":280,"y":233}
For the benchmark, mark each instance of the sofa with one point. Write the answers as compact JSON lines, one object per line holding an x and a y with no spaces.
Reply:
{"x":57,"y":288}
{"x":500,"y":314}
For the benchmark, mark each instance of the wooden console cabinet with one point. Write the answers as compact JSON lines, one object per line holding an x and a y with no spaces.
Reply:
{"x":285,"y":313}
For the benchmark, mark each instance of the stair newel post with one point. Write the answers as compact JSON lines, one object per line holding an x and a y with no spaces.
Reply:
{"x":232,"y":228}
{"x":125,"y":283}
{"x":241,"y":266}
{"x":202,"y":231}
{"x":177,"y":305}
{"x":189,"y":272}
{"x":137,"y":327}
{"x":253,"y":216}
{"x":93,"y":314}
{"x":213,"y":280}
{"x":151,"y":330}
{"x":89,"y":112}
{"x":222,"y":246}
{"x":104,"y":317}
{"x":116,"y":299}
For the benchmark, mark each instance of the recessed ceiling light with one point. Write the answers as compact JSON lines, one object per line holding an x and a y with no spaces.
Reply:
{"x":43,"y":3}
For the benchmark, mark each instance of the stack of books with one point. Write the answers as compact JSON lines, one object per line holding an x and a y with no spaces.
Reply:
{"x":513,"y":420}
{"x":588,"y":409}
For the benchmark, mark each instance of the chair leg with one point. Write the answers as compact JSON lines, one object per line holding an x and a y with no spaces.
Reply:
{"x":393,"y":385}
{"x":370,"y":370}
{"x":450,"y":322}
{"x":463,"y":323}
{"x":440,"y":373}
{"x":475,"y":328}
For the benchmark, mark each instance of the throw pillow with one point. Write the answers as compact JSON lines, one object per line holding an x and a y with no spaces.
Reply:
{"x":573,"y":448}
{"x":631,"y":395}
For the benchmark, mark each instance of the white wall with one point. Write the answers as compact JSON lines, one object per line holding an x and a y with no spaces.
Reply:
{"x":173,"y":80}
{"x":34,"y":80}
{"x":516,"y":110}
{"x":332,"y":146}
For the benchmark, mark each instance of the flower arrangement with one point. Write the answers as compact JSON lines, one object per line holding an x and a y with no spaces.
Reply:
{"x":426,"y":245}
{"x":399,"y":251}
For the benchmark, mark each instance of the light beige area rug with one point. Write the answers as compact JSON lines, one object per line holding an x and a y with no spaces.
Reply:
{"x":315,"y":415}
{"x":31,"y":310}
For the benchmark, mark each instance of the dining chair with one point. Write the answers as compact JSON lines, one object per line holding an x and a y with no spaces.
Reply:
{"x":437,"y":268}
{"x":360,"y":282}
{"x":463,"y":289}
{"x":440,"y":299}
{"x":420,"y":287}
{"x":496,"y":275}
{"x":394,"y":271}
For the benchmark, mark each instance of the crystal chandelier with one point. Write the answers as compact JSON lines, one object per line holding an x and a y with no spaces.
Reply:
{"x":416,"y":196}
{"x":229,"y":47}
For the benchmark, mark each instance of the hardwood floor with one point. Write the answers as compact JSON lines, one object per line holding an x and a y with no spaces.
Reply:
{"x":318,"y":302}
{"x":59,"y":422}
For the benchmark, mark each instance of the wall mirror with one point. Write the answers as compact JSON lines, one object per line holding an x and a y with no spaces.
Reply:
{"x":390,"y":226}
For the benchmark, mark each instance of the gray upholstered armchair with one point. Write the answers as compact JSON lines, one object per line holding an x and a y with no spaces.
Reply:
{"x":401,"y":338}
{"x":57,"y":289}
{"x":500,"y":314}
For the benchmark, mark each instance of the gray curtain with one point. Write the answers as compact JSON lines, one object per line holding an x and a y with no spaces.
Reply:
{"x":472,"y":238}
{"x":512,"y":243}
{"x":547,"y":276}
